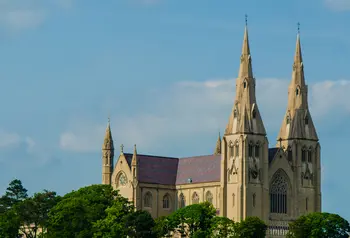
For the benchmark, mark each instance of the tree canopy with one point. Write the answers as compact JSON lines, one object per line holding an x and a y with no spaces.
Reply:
{"x":320,"y":225}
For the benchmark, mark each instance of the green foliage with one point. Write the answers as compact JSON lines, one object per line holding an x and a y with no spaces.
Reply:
{"x":222,"y":227}
{"x":196,"y":217}
{"x":162,"y":227}
{"x":140,"y":224}
{"x":13,"y":195}
{"x":251,"y":227}
{"x":75,"y":214}
{"x":9,"y":218}
{"x":113,"y":224}
{"x":320,"y":225}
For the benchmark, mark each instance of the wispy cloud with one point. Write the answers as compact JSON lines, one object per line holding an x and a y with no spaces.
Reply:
{"x":17,"y":15}
{"x":201,"y":107}
{"x":338,"y":5}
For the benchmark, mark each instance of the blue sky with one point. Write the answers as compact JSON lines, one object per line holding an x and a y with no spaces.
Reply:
{"x":164,"y":70}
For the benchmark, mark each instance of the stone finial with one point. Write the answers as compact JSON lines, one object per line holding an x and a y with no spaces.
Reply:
{"x":218,"y":146}
{"x":121,"y":148}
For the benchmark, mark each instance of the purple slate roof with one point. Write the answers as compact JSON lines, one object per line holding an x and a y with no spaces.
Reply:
{"x":176,"y":171}
{"x":199,"y":169}
{"x":155,"y":169}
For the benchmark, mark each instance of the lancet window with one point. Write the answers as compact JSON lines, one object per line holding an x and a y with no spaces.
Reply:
{"x":250,"y":150}
{"x":182,"y":201}
{"x":195,"y":198}
{"x":209,"y":197}
{"x":257,"y":151}
{"x":147,"y":200}
{"x":166,"y":201}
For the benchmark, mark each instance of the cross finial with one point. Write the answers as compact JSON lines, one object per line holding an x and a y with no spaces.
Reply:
{"x":246,"y":19}
{"x":298,"y":27}
{"x":121,"y":148}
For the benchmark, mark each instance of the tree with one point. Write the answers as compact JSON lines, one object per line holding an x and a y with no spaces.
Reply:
{"x":319,"y":225}
{"x":13,"y":195}
{"x":139,"y":224}
{"x":113,"y":224}
{"x":75,"y":213}
{"x":162,"y":227}
{"x":222,"y":227}
{"x":33,"y":213}
{"x":9,"y":220}
{"x":193,"y":218}
{"x":251,"y":227}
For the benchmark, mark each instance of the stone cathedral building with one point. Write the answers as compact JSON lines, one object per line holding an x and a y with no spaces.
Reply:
{"x":244,"y":177}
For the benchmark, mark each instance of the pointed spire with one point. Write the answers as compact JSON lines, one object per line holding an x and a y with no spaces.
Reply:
{"x":108,"y":140}
{"x":121,"y":149}
{"x":297,"y":123}
{"x":245,"y":69}
{"x":245,"y":116}
{"x":218,"y":146}
{"x":134,"y":156}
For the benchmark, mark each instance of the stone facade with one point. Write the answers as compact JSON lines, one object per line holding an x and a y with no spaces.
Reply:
{"x":243,"y":177}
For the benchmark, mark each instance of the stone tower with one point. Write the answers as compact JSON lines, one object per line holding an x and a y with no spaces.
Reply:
{"x":244,"y":150}
{"x":299,"y":139}
{"x":107,"y":156}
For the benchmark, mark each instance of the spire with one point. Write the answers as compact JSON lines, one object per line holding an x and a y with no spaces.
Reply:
{"x":245,"y":116}
{"x":245,"y":69}
{"x":297,"y":123}
{"x":108,"y":140}
{"x":218,"y":146}
{"x":134,"y":156}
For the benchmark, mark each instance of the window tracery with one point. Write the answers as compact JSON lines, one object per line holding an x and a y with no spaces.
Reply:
{"x":166,"y":201}
{"x":182,"y":201}
{"x":209,"y":197}
{"x":278,"y":194}
{"x":148,"y":200}
{"x":195,"y":198}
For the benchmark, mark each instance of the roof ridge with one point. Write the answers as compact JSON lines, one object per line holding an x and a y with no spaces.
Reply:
{"x":155,"y":156}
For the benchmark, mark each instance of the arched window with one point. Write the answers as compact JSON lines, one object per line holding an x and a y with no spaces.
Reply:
{"x":257,"y":151}
{"x":209,"y":197}
{"x":309,"y":156}
{"x":231,"y":150}
{"x":182,"y":201}
{"x":303,"y":155}
{"x":245,"y":84}
{"x":166,"y":201}
{"x":195,"y":198}
{"x":235,"y":113}
{"x":148,"y":200}
{"x":306,"y":120}
{"x":250,"y":150}
{"x":254,"y":199}
{"x":278,"y":193}
{"x":233,"y":199}
{"x":254,"y":113}
{"x":237,"y":149}
{"x":297,"y":91}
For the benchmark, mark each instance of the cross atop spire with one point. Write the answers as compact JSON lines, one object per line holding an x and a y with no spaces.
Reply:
{"x":298,"y":27}
{"x":246,"y":20}
{"x":121,"y":148}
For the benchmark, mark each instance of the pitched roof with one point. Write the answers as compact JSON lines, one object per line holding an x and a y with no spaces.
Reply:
{"x":199,"y":169}
{"x":155,"y":169}
{"x":177,"y":171}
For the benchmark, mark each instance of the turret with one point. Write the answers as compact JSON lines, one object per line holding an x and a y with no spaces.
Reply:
{"x":218,"y":146}
{"x":107,"y":156}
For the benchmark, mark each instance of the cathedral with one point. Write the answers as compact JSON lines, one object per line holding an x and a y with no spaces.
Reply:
{"x":244,"y":176}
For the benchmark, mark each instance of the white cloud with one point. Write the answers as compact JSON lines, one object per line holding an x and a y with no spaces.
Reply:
{"x":197,"y":107}
{"x":8,"y":139}
{"x":338,"y":5}
{"x":16,"y":15}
